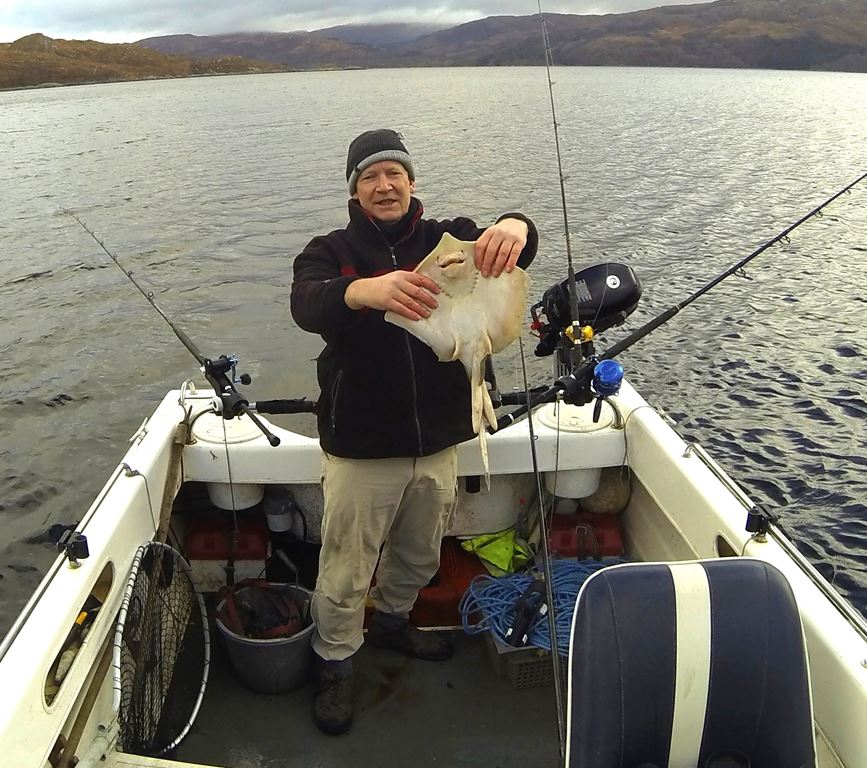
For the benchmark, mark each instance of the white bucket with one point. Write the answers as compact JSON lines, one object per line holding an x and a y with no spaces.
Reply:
{"x":235,"y":496}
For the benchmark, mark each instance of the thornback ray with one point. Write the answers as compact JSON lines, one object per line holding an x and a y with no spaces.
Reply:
{"x":476,"y":317}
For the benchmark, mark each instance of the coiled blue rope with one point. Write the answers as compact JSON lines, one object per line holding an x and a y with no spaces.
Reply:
{"x":489,"y":602}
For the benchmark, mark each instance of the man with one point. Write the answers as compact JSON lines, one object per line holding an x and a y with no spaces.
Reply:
{"x":390,"y":415}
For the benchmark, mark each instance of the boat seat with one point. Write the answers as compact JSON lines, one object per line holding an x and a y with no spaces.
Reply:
{"x":688,"y":665}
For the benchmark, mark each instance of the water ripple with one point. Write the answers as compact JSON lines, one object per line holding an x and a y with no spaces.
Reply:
{"x":678,"y":173}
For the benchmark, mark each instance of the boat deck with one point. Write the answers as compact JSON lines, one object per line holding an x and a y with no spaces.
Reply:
{"x":407,"y":713}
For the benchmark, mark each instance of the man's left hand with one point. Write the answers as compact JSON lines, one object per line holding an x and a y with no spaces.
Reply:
{"x":499,"y":247}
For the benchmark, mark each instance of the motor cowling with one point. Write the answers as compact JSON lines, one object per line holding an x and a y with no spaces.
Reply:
{"x":606,"y":294}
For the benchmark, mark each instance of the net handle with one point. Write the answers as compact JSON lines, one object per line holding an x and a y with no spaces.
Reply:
{"x":77,"y":730}
{"x":174,"y":478}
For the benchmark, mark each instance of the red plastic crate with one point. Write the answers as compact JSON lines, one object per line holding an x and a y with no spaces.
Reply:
{"x":211,"y":539}
{"x":584,"y":535}
{"x":437,"y":604}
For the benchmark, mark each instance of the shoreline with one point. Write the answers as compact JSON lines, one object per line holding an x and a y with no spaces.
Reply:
{"x":42,"y":86}
{"x":49,"y":84}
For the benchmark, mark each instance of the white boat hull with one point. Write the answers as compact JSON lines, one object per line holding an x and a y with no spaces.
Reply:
{"x":681,"y":508}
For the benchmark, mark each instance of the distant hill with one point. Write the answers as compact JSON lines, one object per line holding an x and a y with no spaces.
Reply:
{"x":379,"y":35}
{"x":39,"y":60}
{"x":761,"y":34}
{"x":293,"y":50}
{"x":356,"y":45}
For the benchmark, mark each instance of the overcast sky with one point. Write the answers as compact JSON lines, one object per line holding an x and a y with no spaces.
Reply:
{"x":117,"y":21}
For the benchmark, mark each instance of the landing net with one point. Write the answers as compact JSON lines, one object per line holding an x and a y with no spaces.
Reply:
{"x":161,"y":653}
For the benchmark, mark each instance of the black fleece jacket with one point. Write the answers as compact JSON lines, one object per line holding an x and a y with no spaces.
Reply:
{"x":383,"y":392}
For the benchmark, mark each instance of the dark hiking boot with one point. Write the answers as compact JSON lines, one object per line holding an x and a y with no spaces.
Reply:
{"x":332,"y":705}
{"x":400,"y":635}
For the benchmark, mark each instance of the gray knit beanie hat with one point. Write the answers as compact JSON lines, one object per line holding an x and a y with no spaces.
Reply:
{"x":374,"y":147}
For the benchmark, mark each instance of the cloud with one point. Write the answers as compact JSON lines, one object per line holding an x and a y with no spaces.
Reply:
{"x":128,"y":20}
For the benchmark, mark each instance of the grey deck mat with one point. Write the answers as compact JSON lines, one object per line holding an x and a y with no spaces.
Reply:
{"x":407,"y":713}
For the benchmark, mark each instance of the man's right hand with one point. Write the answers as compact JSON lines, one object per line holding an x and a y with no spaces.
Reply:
{"x":405,"y":293}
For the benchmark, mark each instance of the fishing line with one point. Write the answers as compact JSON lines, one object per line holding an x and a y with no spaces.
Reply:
{"x":575,"y":359}
{"x":216,"y":371}
{"x":573,"y":300}
{"x":546,"y":566}
{"x":577,"y":383}
{"x":544,"y":549}
{"x":579,"y":377}
{"x":233,"y":543}
{"x":669,"y":313}
{"x":149,"y":295}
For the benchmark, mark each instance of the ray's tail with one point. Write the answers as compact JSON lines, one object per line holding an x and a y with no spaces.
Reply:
{"x":483,"y":408}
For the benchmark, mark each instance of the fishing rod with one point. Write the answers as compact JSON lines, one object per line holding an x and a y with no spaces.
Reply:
{"x":221,"y":373}
{"x":581,"y":384}
{"x":573,"y":333}
{"x":149,"y":295}
{"x":573,"y":300}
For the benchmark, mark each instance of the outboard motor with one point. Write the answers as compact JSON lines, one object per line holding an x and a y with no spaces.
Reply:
{"x":606,"y":295}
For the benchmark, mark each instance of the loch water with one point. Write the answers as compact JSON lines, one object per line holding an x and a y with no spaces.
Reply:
{"x":206,"y":188}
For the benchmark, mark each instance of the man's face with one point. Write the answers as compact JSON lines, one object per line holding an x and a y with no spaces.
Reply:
{"x":384,"y":189}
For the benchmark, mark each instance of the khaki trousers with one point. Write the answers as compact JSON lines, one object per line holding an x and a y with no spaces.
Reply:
{"x":399,"y":506}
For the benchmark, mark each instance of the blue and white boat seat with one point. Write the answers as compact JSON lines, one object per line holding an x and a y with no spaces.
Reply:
{"x":688,"y":665}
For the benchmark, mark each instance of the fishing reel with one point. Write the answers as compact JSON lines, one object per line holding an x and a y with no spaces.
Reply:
{"x":605,"y":295}
{"x":221,"y":373}
{"x":594,"y":378}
